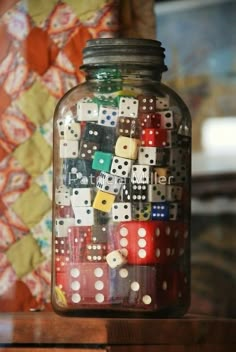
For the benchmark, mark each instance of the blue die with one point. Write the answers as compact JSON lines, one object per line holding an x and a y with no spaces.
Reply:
{"x":160,"y":211}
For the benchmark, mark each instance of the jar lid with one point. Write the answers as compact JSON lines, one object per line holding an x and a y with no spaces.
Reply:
{"x":124,"y":50}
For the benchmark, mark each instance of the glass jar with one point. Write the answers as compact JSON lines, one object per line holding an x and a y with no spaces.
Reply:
{"x":121,"y":209}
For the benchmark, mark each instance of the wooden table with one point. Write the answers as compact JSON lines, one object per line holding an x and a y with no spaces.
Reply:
{"x":46,"y":332}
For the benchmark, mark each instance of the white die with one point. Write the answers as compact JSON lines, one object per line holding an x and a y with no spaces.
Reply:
{"x":120,"y":166}
{"x":69,"y":149}
{"x":156,"y":193}
{"x":173,"y":193}
{"x":163,"y":103}
{"x":81,"y":197}
{"x":167,"y":120}
{"x":109,"y":183}
{"x":108,"y":116}
{"x":61,"y":127}
{"x":72,"y":131}
{"x":62,"y":196}
{"x":87,"y":111}
{"x":84,"y":216}
{"x":121,"y":212}
{"x":115,"y":259}
{"x":173,"y":211}
{"x":147,"y":155}
{"x":62,"y":225}
{"x":128,"y":107}
{"x":140,"y":173}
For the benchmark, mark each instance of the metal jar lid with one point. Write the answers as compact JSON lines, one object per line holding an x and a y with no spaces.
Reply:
{"x":124,"y":50}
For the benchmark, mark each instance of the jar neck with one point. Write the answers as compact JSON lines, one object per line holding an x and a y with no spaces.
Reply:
{"x":122,"y":72}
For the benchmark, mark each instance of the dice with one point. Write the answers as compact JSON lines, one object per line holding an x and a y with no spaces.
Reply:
{"x":61,"y":246}
{"x":167,"y":120}
{"x":62,"y":196}
{"x":108,"y":139}
{"x":96,"y":252}
{"x":121,"y":211}
{"x":153,"y":137}
{"x":81,"y":197}
{"x":150,"y":120}
{"x":99,"y":234}
{"x":128,"y":127}
{"x":87,"y":111}
{"x":157,"y":193}
{"x":93,"y":133}
{"x":127,"y":147}
{"x":121,"y":166}
{"x":102,"y":161}
{"x":62,"y":224}
{"x":115,"y":259}
{"x":163,"y":103}
{"x":160,"y":211}
{"x":148,"y":242}
{"x":87,"y":150}
{"x":68,"y":149}
{"x":147,"y":103}
{"x":147,"y":155}
{"x":87,"y":283}
{"x":72,"y":131}
{"x":128,"y":107}
{"x":140,"y":174}
{"x":78,"y":238}
{"x":141,"y":211}
{"x":77,"y":173}
{"x":174,"y":193}
{"x":135,"y":286}
{"x":108,"y":116}
{"x":125,"y":193}
{"x":139,"y":192}
{"x":103,"y":201}
{"x":109,"y":183}
{"x":61,"y":127}
{"x":84,"y":216}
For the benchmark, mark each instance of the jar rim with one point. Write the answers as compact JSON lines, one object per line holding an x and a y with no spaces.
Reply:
{"x":124,"y":50}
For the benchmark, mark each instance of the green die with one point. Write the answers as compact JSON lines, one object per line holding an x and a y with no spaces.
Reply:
{"x":102,"y":161}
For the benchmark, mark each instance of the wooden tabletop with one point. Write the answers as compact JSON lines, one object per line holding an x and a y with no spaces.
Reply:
{"x":43,"y":328}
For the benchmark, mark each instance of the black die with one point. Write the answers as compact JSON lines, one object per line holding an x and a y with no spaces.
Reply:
{"x":108,"y":139}
{"x":77,"y":173}
{"x":139,"y":192}
{"x":128,"y":127}
{"x":87,"y":150}
{"x":147,"y":103}
{"x":93,"y":133}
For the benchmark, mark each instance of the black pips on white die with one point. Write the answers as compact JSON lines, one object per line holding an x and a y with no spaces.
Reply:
{"x":128,"y":107}
{"x":162,"y":103}
{"x":157,"y":193}
{"x":81,"y":197}
{"x":174,"y":193}
{"x":179,"y":174}
{"x":121,"y":166}
{"x":87,"y":111}
{"x":109,"y":183}
{"x":60,"y":127}
{"x":115,"y":259}
{"x":147,"y":155}
{"x":72,"y":131}
{"x":178,"y":156}
{"x":140,"y":173}
{"x":84,"y":216}
{"x":167,"y":120}
{"x":121,"y":211}
{"x":69,"y":149}
{"x":62,"y":196}
{"x":139,"y":192}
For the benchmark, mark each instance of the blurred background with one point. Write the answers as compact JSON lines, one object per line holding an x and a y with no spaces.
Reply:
{"x":41,"y":46}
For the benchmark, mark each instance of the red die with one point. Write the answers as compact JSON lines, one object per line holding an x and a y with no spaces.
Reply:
{"x":64,"y":211}
{"x":172,"y":285}
{"x":148,"y":242}
{"x":135,"y":286}
{"x":96,"y":252}
{"x":78,"y":238}
{"x":88,"y":284}
{"x":150,"y":120}
{"x":60,"y":263}
{"x":154,"y":137}
{"x":61,"y":246}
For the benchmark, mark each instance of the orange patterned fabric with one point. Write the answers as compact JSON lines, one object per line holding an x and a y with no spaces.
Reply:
{"x":40,"y":54}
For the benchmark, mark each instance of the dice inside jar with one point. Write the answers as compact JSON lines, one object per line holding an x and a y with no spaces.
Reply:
{"x":121,"y":208}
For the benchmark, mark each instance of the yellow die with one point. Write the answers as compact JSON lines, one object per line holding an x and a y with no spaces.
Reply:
{"x":127,"y":147}
{"x":103,"y":201}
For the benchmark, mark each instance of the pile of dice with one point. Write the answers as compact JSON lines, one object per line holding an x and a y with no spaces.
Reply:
{"x":120,"y":206}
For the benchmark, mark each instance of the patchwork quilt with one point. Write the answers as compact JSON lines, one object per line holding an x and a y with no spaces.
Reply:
{"x":40,"y":55}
